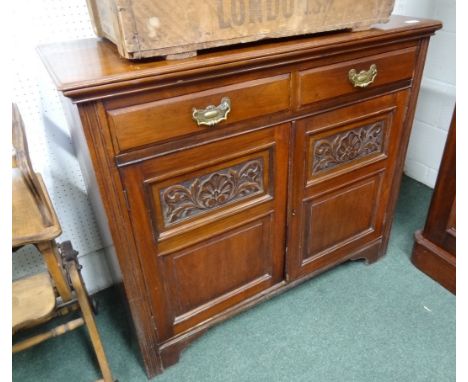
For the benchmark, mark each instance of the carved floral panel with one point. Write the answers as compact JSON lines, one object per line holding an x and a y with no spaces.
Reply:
{"x":347,"y":146}
{"x":211,"y":191}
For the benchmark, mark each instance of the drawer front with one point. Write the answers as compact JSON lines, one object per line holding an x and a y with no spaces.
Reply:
{"x":344,"y":164}
{"x":210,"y":223}
{"x":319,"y":84}
{"x":158,"y":121}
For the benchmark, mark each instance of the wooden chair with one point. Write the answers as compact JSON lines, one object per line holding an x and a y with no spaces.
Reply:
{"x":61,"y":290}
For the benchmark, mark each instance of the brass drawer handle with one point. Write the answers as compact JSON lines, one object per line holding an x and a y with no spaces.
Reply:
{"x":212,"y":115}
{"x":364,"y":78}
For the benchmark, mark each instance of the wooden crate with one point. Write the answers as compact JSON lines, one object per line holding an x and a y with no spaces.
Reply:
{"x":150,"y":28}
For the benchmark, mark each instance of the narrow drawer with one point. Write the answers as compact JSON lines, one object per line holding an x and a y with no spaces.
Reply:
{"x":332,"y":81}
{"x":157,"y":121}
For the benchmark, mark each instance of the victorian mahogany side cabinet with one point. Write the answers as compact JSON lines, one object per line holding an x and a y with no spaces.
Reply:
{"x":229,"y":177}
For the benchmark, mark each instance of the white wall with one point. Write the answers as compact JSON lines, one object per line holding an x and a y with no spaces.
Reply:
{"x":52,"y":152}
{"x":437,"y":97}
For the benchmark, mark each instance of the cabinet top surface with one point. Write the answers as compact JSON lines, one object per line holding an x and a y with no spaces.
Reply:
{"x":80,"y":66}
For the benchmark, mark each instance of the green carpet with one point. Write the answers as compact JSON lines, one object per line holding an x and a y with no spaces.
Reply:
{"x":384,"y":322}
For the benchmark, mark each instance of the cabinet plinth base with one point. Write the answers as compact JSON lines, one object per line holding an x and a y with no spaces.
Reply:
{"x":434,"y":262}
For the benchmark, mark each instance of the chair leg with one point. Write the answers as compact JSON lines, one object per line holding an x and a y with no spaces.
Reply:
{"x":54,"y":265}
{"x":88,"y":316}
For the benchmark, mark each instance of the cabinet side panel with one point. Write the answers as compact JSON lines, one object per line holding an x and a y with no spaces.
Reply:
{"x":92,"y":188}
{"x":403,"y":145}
{"x":92,"y":144}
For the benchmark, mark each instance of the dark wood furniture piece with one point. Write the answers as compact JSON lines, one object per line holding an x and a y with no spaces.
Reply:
{"x":434,"y":250}
{"x":294,"y":168}
{"x":59,"y":291}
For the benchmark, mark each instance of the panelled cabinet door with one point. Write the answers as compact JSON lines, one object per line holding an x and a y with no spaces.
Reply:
{"x":343,"y":168}
{"x":210,"y":224}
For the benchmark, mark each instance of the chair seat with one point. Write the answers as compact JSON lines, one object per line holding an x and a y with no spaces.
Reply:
{"x":33,"y":300}
{"x":28,"y":226}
